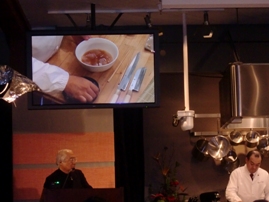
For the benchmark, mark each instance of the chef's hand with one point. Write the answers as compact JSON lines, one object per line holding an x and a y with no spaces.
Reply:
{"x":81,"y":89}
{"x":79,"y":38}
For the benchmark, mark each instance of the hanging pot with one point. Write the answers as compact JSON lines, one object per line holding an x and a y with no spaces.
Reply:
{"x":236,"y":137}
{"x":199,"y":150}
{"x":218,"y":147}
{"x":231,"y":161}
{"x":252,"y":138}
{"x":263,"y":146}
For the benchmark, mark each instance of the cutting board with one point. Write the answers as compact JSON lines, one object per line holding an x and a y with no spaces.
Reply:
{"x":129,"y":46}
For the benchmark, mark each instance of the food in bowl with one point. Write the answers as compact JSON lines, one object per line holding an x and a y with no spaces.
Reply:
{"x":94,"y":48}
{"x":96,"y":57}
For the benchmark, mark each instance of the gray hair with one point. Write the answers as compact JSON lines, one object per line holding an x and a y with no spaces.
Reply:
{"x":61,"y":155}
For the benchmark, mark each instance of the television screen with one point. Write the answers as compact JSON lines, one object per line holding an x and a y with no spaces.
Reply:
{"x":93,"y":69}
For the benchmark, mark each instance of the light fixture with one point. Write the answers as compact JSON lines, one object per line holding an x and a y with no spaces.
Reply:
{"x":148,"y":20}
{"x":13,"y":85}
{"x":88,"y":20}
{"x":206,"y":30}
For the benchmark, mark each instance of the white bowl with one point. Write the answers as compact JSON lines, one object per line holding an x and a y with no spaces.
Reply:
{"x":101,"y":44}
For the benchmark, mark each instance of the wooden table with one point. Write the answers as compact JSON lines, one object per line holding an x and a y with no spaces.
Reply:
{"x":129,"y":46}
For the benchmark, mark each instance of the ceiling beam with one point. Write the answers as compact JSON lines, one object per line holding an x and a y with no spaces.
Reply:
{"x":174,"y":4}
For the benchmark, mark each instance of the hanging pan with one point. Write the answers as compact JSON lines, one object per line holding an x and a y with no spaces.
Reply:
{"x":199,"y":150}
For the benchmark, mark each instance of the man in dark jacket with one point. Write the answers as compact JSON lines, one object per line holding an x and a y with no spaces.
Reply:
{"x":66,"y":176}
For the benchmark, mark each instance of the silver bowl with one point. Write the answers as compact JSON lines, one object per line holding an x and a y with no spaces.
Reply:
{"x":218,"y":147}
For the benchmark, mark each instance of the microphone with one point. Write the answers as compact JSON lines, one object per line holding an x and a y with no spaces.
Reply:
{"x":73,"y":169}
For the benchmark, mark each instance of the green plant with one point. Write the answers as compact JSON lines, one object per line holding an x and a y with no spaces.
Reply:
{"x":170,"y":189}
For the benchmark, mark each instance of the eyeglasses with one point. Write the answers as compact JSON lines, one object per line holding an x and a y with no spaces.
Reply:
{"x":72,"y":159}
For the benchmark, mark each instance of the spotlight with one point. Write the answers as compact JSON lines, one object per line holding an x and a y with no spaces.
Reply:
{"x":206,"y":30}
{"x":206,"y":22}
{"x":148,"y":21}
{"x":88,"y":20}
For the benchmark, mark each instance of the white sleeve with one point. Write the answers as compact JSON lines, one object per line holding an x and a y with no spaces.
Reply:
{"x":49,"y":78}
{"x":232,"y":188}
{"x":43,"y":47}
{"x":266,"y":190}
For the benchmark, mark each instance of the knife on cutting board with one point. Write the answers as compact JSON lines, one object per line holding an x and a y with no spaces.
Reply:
{"x":126,"y":78}
{"x":136,"y":83}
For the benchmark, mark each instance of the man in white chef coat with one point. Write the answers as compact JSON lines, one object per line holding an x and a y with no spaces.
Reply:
{"x":51,"y":78}
{"x":249,"y":182}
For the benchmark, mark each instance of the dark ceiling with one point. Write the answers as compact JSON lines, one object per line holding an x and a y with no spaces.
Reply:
{"x":67,"y":13}
{"x":19,"y":15}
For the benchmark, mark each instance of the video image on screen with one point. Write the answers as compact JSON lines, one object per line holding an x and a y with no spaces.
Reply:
{"x":94,"y":70}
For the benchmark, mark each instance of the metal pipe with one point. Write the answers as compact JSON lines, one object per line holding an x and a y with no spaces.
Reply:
{"x":128,"y":11}
{"x":93,"y":16}
{"x":185,"y":64}
{"x":115,"y":21}
{"x":71,"y":19}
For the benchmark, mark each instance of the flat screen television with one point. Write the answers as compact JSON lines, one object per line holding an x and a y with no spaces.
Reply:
{"x":54,"y":64}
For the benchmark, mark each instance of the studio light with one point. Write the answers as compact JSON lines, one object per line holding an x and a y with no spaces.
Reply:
{"x":206,"y":30}
{"x":88,"y":20}
{"x":148,"y":20}
{"x":13,"y":85}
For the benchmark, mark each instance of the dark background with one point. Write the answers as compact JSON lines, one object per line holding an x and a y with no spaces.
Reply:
{"x":141,"y":133}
